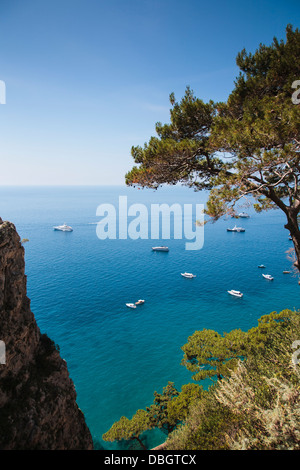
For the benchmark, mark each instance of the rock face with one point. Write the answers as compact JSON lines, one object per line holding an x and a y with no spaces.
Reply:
{"x":38,"y":408}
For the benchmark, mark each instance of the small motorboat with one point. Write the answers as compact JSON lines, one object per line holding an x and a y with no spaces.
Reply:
{"x":244,"y":215}
{"x":268,"y":276}
{"x":286,"y":272}
{"x":160,"y":248}
{"x":139,"y":302}
{"x":131,"y":305}
{"x":236,"y":293}
{"x":188,"y":275}
{"x":63,"y":228}
{"x":261,"y":266}
{"x":236,"y":229}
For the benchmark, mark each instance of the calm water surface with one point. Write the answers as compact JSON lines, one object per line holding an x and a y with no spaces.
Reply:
{"x":78,"y":285}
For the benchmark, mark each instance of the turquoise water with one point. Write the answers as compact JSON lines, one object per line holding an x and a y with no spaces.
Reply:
{"x":78,"y":285}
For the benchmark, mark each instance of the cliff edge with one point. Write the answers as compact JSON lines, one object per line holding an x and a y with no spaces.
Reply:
{"x":38,"y":409}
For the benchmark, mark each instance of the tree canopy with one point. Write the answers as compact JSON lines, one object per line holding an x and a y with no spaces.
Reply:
{"x":246,"y":146}
{"x":168,"y":409}
{"x":155,"y":416}
{"x":129,"y":429}
{"x":209,"y":354}
{"x":158,"y":412}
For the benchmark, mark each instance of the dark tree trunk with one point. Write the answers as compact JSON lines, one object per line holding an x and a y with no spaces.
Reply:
{"x":140,"y":442}
{"x":293,"y":227}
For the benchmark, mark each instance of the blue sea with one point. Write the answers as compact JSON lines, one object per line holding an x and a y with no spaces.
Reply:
{"x":79,"y":285}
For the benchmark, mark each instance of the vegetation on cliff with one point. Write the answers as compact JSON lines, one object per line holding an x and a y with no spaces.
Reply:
{"x":252,"y":403}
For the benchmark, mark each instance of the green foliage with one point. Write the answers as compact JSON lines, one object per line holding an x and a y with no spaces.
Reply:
{"x":129,"y":429}
{"x":257,"y":406}
{"x":178,"y":408}
{"x":181,"y":148}
{"x":158,"y":414}
{"x":259,"y":126}
{"x":209,"y":354}
{"x":168,"y":410}
{"x":206,"y":427}
{"x":154,"y":416}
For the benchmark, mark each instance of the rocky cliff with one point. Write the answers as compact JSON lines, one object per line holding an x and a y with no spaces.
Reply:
{"x":38,"y":408}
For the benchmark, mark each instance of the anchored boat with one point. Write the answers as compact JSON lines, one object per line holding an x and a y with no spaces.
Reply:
{"x":236,"y":293}
{"x":268,"y":276}
{"x":63,"y":228}
{"x":236,"y":229}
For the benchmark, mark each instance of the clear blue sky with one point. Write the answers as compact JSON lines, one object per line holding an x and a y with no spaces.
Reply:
{"x":87,"y":79}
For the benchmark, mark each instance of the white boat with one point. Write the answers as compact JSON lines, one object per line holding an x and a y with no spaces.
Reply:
{"x":160,"y":248}
{"x":236,"y":293}
{"x":188,"y":275}
{"x":243,"y":215}
{"x":139,"y":302}
{"x":268,"y":276}
{"x":236,"y":229}
{"x":131,"y":305}
{"x":63,"y":228}
{"x":261,"y":266}
{"x":286,"y":272}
